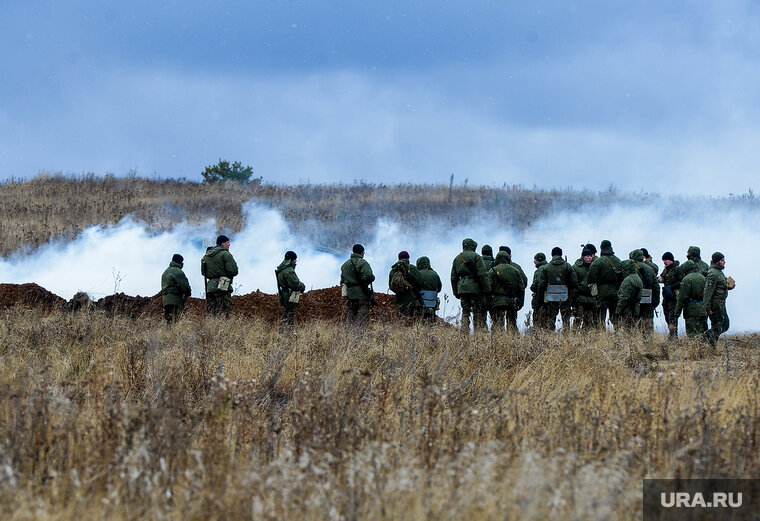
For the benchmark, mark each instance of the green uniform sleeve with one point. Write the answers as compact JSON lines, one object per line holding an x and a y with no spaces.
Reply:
{"x":485,"y":283}
{"x":183,"y":283}
{"x":709,"y":292}
{"x":230,"y":265}
{"x":365,"y":270}
{"x":454,"y":278}
{"x":683,"y":297}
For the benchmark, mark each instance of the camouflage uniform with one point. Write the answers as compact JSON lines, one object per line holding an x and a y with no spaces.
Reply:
{"x":629,"y":296}
{"x":356,"y":274}
{"x":556,"y":272}
{"x":219,"y":262}
{"x":430,"y":281}
{"x":716,"y":292}
{"x":287,"y":283}
{"x":470,"y":285}
{"x":649,"y":279}
{"x":507,"y":292}
{"x":691,"y":300}
{"x":486,"y":253}
{"x":670,"y":288}
{"x":583,"y":302}
{"x":540,"y":311}
{"x":407,"y":303}
{"x":606,"y":273}
{"x":175,"y":288}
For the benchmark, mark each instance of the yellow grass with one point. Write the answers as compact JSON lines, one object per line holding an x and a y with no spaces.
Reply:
{"x":110,"y":418}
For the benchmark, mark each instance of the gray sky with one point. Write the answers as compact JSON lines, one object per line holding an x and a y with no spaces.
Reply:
{"x":654,"y":96}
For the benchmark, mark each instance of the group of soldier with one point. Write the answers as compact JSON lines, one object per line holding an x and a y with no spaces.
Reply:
{"x":584,"y":294}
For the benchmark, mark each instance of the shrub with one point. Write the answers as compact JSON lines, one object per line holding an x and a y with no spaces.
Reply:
{"x":223,"y":171}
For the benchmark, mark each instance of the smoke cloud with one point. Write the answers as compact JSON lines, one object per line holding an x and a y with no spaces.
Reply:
{"x":128,"y":258}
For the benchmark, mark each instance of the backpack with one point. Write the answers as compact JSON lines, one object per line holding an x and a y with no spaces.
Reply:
{"x":399,"y":283}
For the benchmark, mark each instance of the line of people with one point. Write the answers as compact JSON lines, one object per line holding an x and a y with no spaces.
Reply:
{"x":584,"y":294}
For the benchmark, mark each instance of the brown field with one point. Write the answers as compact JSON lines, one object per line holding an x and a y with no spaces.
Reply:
{"x":108,"y":417}
{"x":110,"y":414}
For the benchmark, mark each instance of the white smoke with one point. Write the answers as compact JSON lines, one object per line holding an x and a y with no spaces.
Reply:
{"x":129,"y":258}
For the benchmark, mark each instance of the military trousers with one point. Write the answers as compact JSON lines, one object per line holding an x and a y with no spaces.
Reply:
{"x":584,"y":316}
{"x":288,"y":318}
{"x":473,"y":304}
{"x":357,"y":312}
{"x":172,"y":312}
{"x":719,"y":323}
{"x":504,"y":318}
{"x":219,"y":304}
{"x":696,"y":327}
{"x":669,"y":310}
{"x":646,"y":318}
{"x":607,"y":305}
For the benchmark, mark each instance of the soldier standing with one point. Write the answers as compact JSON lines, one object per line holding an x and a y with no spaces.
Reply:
{"x":691,"y":300}
{"x":650,"y":298}
{"x":629,"y":296}
{"x":470,"y":285}
{"x":649,"y":262}
{"x":356,"y":276}
{"x":175,"y":289}
{"x":556,"y":282}
{"x":583,"y":304}
{"x":431,"y":286}
{"x":670,"y":285}
{"x":508,"y":250}
{"x":537,"y":303}
{"x":289,"y":288}
{"x":218,"y":266}
{"x":693,"y":254}
{"x":604,"y":277}
{"x":404,"y":281}
{"x":486,"y":253}
{"x":716,"y":292}
{"x":507,"y":292}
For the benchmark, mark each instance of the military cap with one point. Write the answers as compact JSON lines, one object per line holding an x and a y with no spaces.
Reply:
{"x":607,"y":247}
{"x":486,"y":250}
{"x":178,"y":258}
{"x":540,"y":257}
{"x":556,"y":251}
{"x":590,"y":247}
{"x":506,"y":249}
{"x":717,"y":257}
{"x":222,"y":239}
{"x":668,"y":256}
{"x":358,"y":248}
{"x":403,"y":255}
{"x":290,"y":255}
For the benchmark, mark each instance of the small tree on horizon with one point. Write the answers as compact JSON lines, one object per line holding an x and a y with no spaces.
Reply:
{"x":224,"y":171}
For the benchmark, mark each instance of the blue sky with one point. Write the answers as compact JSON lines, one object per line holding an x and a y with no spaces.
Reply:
{"x":654,"y":96}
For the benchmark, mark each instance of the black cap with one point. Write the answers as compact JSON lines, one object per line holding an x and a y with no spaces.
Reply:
{"x":589,"y":247}
{"x":221,"y":239}
{"x":178,"y":258}
{"x":717,"y":257}
{"x":645,"y":252}
{"x":668,"y":256}
{"x":586,"y":252}
{"x":358,"y":248}
{"x":506,"y":249}
{"x":486,"y":250}
{"x":290,"y":255}
{"x":556,"y":251}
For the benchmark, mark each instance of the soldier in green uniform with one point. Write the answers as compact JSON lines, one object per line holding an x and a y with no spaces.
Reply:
{"x":218,"y":266}
{"x":583,"y":301}
{"x":670,"y":286}
{"x":693,"y":254}
{"x":507,"y":292}
{"x":355,"y":277}
{"x":649,"y":262}
{"x":556,"y":283}
{"x":431,"y":286}
{"x":604,"y":277}
{"x":629,"y":296}
{"x":651,"y":293}
{"x":691,"y":300}
{"x":175,"y":289}
{"x":716,"y":292}
{"x":486,"y":253}
{"x":508,"y":250}
{"x":540,"y":311}
{"x":469,"y":282}
{"x":289,"y":289}
{"x":404,"y":281}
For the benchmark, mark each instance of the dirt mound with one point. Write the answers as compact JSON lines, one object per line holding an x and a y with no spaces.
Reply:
{"x":29,"y":295}
{"x":318,"y":304}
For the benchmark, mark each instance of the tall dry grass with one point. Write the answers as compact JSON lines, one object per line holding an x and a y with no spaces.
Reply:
{"x":113,"y":418}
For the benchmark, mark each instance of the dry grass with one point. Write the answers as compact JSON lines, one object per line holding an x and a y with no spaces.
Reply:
{"x":110,"y":418}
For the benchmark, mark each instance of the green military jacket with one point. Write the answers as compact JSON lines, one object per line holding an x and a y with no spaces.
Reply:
{"x":716,"y":290}
{"x":507,"y":282}
{"x":629,"y":293}
{"x":219,"y":263}
{"x":648,"y":275}
{"x":691,"y":295}
{"x":408,"y":298}
{"x":463,"y":280}
{"x":517,"y":266}
{"x":557,"y":271}
{"x":538,"y":300}
{"x":605,"y":272}
{"x":649,"y":262}
{"x":583,"y":293}
{"x":356,"y":274}
{"x":287,"y":282}
{"x":175,"y":287}
{"x":670,"y":279}
{"x":429,"y":278}
{"x":488,"y":261}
